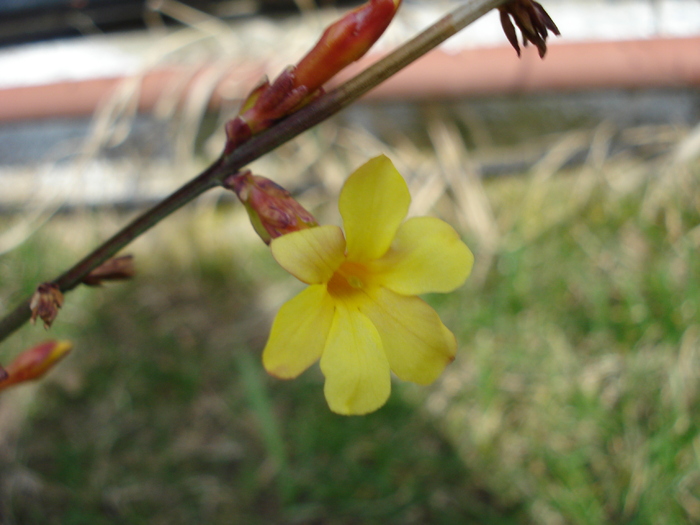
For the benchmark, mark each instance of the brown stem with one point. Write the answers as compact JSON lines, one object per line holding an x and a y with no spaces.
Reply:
{"x":314,"y":113}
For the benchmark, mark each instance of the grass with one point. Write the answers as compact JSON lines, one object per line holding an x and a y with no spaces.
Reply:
{"x":163,"y":414}
{"x":574,"y":399}
{"x":579,"y":394}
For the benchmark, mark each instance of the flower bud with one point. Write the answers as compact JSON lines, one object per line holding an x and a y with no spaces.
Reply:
{"x":115,"y":269}
{"x":45,"y":302}
{"x":342,"y":43}
{"x":272,"y":210}
{"x":345,"y":41}
{"x":35,"y":362}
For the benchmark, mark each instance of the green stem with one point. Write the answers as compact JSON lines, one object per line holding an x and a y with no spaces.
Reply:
{"x":285,"y":130}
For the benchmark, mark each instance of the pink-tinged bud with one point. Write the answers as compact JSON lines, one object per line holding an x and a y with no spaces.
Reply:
{"x":45,"y":303}
{"x":267,"y":104}
{"x":115,"y":269}
{"x":342,"y":43}
{"x":35,"y":362}
{"x":272,"y":210}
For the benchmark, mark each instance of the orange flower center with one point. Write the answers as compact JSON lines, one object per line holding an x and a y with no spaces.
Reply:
{"x":349,"y":279}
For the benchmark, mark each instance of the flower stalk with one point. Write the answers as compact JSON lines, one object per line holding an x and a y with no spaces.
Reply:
{"x":231,"y":162}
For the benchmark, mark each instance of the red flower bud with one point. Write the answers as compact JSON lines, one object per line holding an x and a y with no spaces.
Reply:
{"x":35,"y":362}
{"x":342,"y":43}
{"x":345,"y":41}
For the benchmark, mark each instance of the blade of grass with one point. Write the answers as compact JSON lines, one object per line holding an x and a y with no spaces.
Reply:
{"x":251,"y":376}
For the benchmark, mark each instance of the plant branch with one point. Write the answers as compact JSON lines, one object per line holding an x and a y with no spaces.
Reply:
{"x":285,"y":130}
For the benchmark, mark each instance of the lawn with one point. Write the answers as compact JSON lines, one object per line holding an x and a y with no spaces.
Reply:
{"x":574,"y":397}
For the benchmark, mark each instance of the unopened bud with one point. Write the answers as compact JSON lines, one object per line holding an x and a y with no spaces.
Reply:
{"x":115,"y":269}
{"x":35,"y":362}
{"x":342,"y":43}
{"x":272,"y":209}
{"x":45,"y":303}
{"x":345,"y":41}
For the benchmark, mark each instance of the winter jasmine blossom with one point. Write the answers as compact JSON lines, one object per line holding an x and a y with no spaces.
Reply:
{"x":360,"y":314}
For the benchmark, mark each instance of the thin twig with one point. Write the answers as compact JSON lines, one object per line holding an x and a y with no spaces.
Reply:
{"x":316,"y":112}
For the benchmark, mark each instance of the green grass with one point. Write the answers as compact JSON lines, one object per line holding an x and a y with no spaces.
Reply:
{"x":163,"y":414}
{"x":574,"y":399}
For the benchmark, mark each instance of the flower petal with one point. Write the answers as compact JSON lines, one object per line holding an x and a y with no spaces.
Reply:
{"x":299,"y":333}
{"x":417,"y":344}
{"x":358,"y":380}
{"x":310,"y":255}
{"x":373,"y":202}
{"x":427,"y":255}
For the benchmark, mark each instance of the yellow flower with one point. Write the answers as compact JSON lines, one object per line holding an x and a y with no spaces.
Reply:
{"x":360,"y":314}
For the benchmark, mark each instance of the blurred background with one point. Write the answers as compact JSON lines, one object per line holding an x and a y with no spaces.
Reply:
{"x":575,"y":180}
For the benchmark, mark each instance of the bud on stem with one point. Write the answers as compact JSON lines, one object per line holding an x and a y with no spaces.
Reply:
{"x":115,"y":269}
{"x":272,"y":209}
{"x":342,"y":43}
{"x":35,"y":362}
{"x":45,"y":303}
{"x":345,"y":41}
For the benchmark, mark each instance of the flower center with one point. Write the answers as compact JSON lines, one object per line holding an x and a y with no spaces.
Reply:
{"x":349,"y":279}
